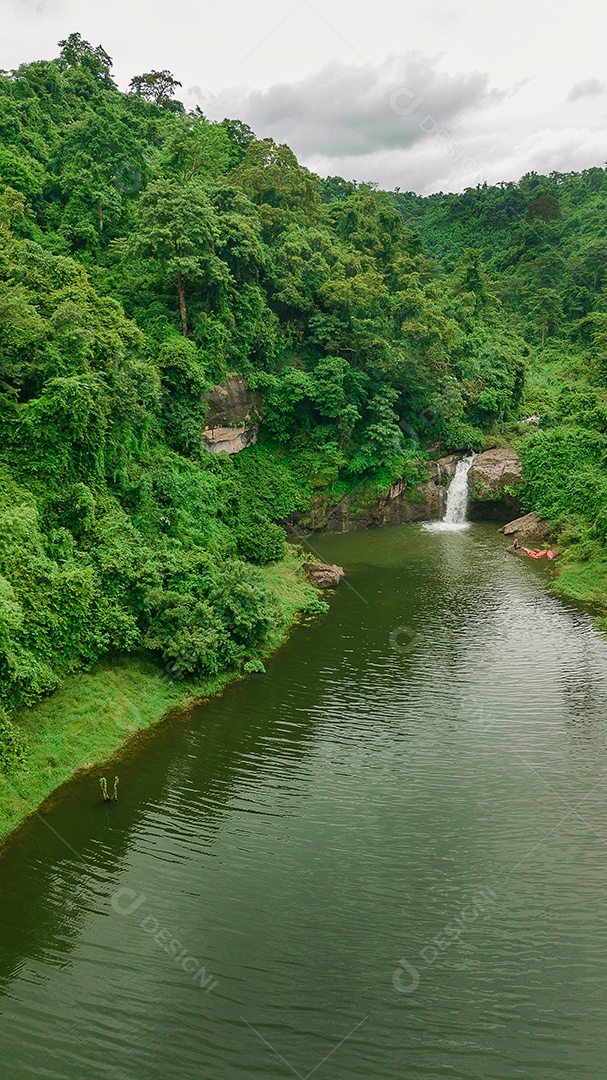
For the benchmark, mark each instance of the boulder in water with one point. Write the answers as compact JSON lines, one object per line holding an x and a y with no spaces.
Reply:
{"x":529,"y":527}
{"x":323,"y":575}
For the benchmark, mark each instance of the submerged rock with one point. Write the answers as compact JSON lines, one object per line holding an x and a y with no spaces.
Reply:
{"x":529,"y":527}
{"x":323,"y":575}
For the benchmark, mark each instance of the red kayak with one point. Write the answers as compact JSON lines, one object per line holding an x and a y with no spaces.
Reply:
{"x":538,"y":554}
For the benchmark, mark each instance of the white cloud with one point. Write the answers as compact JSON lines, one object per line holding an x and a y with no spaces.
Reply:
{"x":302,"y":81}
{"x":587,"y":88}
{"x":354,"y":110}
{"x":29,"y":7}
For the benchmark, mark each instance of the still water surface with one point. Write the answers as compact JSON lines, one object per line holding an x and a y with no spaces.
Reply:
{"x":388,"y":854}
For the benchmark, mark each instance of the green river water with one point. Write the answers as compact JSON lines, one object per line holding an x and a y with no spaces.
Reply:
{"x":385,"y":858}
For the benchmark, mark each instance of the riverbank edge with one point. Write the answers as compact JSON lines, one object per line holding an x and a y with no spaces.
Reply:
{"x":95,"y":714}
{"x":578,"y":580}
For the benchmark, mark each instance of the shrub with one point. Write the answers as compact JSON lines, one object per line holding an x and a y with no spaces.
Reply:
{"x":12,"y":749}
{"x":262,"y":542}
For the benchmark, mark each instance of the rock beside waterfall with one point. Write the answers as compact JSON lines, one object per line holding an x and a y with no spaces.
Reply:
{"x":444,"y":468}
{"x":529,"y":527}
{"x":493,"y":480}
{"x":323,"y":575}
{"x":495,"y":470}
{"x":401,"y":504}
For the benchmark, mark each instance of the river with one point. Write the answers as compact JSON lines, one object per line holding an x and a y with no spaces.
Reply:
{"x":385,"y":858}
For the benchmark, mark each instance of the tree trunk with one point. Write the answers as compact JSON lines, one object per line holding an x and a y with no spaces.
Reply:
{"x":544,"y":328}
{"x":100,"y":212}
{"x":184,"y":317}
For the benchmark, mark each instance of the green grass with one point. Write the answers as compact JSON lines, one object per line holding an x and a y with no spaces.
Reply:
{"x":585,"y":582}
{"x":94,"y":713}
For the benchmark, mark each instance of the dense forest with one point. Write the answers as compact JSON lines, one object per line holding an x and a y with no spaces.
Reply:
{"x":543,"y":246}
{"x":146,"y":253}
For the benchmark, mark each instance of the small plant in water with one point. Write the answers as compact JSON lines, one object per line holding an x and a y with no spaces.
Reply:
{"x":103,"y":785}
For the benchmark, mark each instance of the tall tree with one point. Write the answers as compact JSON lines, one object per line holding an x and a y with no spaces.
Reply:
{"x":155,"y":86}
{"x":78,"y":53}
{"x":546,"y":207}
{"x":196,"y":147}
{"x":178,"y":227}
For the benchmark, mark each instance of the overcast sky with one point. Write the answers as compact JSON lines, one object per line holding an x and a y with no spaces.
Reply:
{"x":429,"y":96}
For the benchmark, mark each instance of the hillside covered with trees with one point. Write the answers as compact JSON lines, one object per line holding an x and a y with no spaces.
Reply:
{"x":146,"y":254}
{"x":543,"y":244}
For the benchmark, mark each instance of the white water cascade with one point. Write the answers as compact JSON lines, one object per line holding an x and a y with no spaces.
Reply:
{"x":457,"y":501}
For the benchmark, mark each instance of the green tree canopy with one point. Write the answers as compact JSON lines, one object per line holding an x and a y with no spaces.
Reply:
{"x":156,"y":86}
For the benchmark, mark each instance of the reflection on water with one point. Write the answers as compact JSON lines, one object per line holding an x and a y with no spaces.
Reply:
{"x":387,"y":853}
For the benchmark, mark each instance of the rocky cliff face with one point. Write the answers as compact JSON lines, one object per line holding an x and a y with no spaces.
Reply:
{"x":401,"y":505}
{"x":493,"y":480}
{"x":233,"y":417}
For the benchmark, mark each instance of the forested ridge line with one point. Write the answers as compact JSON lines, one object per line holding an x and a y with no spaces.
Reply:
{"x":147,"y":253}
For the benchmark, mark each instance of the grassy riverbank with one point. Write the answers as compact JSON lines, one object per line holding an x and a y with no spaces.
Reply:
{"x":564,"y":460}
{"x":586,"y":584}
{"x":96,"y":712}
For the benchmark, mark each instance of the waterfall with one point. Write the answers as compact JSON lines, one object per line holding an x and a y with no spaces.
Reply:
{"x":457,"y":500}
{"x":457,"y":495}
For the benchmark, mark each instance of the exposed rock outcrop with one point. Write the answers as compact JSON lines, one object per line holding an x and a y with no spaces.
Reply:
{"x":529,"y":527}
{"x":229,"y":440}
{"x":233,"y":418}
{"x":444,"y":468}
{"x":323,"y":575}
{"x":492,"y":482}
{"x":496,"y":469}
{"x":398,"y":507}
